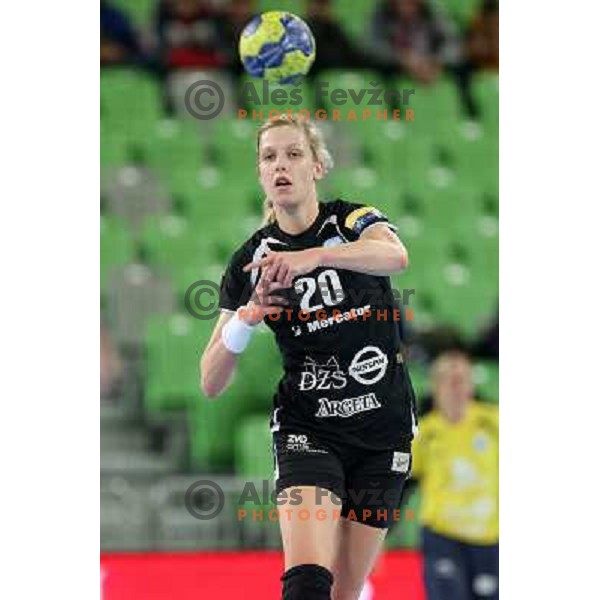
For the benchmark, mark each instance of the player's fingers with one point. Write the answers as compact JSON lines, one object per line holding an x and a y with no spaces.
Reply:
{"x":277,"y":285}
{"x":278,"y":267}
{"x":283,"y":272}
{"x":277,"y":301}
{"x":263,"y":262}
{"x":289,"y":278}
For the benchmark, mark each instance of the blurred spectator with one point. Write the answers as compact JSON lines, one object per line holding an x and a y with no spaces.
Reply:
{"x":239,"y":14}
{"x":335,"y":50}
{"x":189,"y":35}
{"x":483,"y":36}
{"x":111,"y":367}
{"x":455,"y":459}
{"x":423,"y":43}
{"x":119,"y":44}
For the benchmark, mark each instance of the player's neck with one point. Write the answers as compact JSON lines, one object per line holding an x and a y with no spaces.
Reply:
{"x":295,"y":220}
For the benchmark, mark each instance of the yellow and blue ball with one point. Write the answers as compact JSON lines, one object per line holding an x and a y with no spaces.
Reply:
{"x":277,"y":46}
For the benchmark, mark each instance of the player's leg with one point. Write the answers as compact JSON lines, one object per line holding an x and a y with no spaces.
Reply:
{"x":375,"y":482}
{"x":309,"y":481}
{"x":309,"y":522}
{"x":484,"y":571}
{"x":445,"y":568}
{"x":358,"y":548}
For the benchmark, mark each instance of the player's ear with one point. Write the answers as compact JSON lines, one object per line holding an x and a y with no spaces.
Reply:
{"x":319,"y":171}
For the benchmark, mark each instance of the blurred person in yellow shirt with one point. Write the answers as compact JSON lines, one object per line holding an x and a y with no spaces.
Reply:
{"x":455,"y":460}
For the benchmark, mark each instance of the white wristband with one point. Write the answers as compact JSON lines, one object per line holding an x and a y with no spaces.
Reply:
{"x":236,"y":334}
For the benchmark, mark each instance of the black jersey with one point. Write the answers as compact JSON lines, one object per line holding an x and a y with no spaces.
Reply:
{"x":344,"y":376}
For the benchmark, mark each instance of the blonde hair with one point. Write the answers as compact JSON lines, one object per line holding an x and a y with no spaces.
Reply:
{"x":315,"y":141}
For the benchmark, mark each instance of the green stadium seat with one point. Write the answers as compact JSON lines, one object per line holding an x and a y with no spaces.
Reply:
{"x":223,"y":199}
{"x":335,"y":79}
{"x":233,"y":145}
{"x":131,"y":101}
{"x":172,"y":355}
{"x":175,"y":150}
{"x":116,"y":247}
{"x":253,"y":448}
{"x":114,"y":147}
{"x":477,"y":163}
{"x":436,"y":108}
{"x":486,"y":92}
{"x":171,"y":240}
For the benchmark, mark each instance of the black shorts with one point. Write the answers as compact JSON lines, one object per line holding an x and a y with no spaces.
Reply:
{"x":369,"y":484}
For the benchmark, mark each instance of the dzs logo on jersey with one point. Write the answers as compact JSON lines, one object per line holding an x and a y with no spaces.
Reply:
{"x":322,"y":377}
{"x":368,"y":365}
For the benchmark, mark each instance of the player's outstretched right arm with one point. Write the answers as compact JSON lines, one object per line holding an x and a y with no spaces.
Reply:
{"x":217,"y":364}
{"x":232,"y":334}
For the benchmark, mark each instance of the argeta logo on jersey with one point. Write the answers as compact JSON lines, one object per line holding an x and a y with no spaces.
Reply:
{"x":322,"y":377}
{"x":368,"y":365}
{"x":348,"y":406}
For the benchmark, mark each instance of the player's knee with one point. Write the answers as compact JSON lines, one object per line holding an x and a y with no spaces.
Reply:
{"x":307,"y":582}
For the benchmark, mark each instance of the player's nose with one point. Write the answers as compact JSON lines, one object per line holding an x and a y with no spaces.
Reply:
{"x":281,"y":164}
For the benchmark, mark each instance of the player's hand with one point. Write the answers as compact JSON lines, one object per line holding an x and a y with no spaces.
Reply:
{"x":284,"y":266}
{"x":264,"y":300}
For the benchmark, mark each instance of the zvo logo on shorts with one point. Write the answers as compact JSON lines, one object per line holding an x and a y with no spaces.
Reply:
{"x":299,"y":442}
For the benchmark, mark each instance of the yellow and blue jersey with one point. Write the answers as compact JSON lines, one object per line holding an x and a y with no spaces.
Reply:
{"x":457,"y":465}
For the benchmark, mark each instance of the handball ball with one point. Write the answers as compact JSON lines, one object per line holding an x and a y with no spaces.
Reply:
{"x":277,"y":46}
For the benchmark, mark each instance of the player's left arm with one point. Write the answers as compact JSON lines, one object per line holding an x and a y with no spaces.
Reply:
{"x":377,"y":251}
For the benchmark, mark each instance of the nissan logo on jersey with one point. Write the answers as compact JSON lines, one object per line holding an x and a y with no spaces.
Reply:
{"x":368,"y":365}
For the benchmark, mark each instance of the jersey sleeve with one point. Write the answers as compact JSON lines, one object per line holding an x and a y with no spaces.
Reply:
{"x":357,"y":218}
{"x":236,"y":286}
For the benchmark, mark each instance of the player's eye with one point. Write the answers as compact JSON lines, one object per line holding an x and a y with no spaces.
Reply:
{"x":295,"y":153}
{"x":268,"y":156}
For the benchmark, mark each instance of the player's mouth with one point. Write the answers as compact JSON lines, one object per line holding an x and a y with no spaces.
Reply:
{"x":283,"y":182}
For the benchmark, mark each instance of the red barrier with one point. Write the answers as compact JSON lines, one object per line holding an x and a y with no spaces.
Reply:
{"x":234,"y":575}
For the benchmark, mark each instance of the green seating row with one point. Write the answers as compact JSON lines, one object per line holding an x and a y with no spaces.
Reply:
{"x":132,"y":101}
{"x":173,"y":347}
